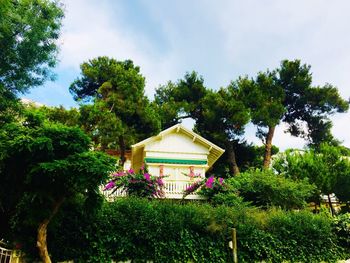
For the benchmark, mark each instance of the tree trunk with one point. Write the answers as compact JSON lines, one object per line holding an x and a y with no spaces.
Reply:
{"x":231,"y":156}
{"x":41,"y":241}
{"x":331,"y":205}
{"x":122,"y":150}
{"x":268,"y":146}
{"x":42,"y":233}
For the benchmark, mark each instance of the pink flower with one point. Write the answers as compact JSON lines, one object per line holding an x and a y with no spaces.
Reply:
{"x":110,"y":185}
{"x":160,"y":182}
{"x":147,"y":177}
{"x":209,"y":182}
{"x":131,"y":171}
{"x":221,"y":180}
{"x":117,"y":174}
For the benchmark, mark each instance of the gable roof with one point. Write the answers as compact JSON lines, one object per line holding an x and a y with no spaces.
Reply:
{"x":214,"y":151}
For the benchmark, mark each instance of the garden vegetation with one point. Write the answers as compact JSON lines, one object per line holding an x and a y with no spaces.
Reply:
{"x":53,"y":160}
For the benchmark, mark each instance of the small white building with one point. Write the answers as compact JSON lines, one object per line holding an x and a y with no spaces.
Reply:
{"x":175,"y":153}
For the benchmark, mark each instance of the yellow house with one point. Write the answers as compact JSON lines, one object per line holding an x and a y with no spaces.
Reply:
{"x":175,"y":153}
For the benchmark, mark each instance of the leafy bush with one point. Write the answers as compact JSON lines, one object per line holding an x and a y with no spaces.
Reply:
{"x":341,"y":224}
{"x":207,"y":187}
{"x":265,"y":189}
{"x":167,"y":231}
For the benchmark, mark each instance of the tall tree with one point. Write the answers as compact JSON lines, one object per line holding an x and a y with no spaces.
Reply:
{"x":308,"y":105}
{"x":222,"y":120}
{"x":28,"y":48}
{"x":287,"y":95}
{"x":180,"y":100}
{"x":117,"y":87}
{"x":264,"y":96}
{"x":29,"y":30}
{"x":219,"y":115}
{"x":41,"y":167}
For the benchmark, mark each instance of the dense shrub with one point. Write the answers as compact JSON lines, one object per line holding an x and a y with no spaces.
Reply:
{"x":166,"y":231}
{"x":341,"y":224}
{"x":265,"y":189}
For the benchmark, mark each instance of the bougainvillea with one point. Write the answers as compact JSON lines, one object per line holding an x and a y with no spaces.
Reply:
{"x":207,"y":187}
{"x":140,"y":184}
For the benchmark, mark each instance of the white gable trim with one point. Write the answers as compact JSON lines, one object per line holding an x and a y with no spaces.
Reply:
{"x":214,"y":151}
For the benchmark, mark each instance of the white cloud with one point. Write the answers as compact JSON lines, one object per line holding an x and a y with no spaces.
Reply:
{"x":93,"y":30}
{"x":341,"y":128}
{"x":219,"y":39}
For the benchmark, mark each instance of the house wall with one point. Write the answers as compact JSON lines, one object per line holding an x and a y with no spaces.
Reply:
{"x":176,"y":146}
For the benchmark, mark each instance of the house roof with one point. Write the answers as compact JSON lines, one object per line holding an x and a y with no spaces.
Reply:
{"x":214,"y":151}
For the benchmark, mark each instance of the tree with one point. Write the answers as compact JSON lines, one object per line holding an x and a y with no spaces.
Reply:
{"x":28,"y":46}
{"x":69,"y":117}
{"x":222,"y":120}
{"x":326,"y":167}
{"x":116,"y":87}
{"x":264,"y":96}
{"x":219,"y":115}
{"x":42,"y":165}
{"x":170,"y":110}
{"x":287,"y":95}
{"x":307,"y":105}
{"x":181,"y":100}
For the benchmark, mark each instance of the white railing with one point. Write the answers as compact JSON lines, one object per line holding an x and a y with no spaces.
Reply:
{"x":173,"y":190}
{"x":110,"y":195}
{"x":10,"y":256}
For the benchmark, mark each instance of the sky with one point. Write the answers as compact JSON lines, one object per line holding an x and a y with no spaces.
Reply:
{"x":221,"y":40}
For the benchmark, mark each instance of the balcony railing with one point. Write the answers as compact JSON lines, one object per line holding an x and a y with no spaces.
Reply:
{"x":173,"y":190}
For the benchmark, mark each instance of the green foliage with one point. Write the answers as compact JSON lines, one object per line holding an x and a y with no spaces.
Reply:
{"x":311,"y":105}
{"x":102,"y":126}
{"x":41,"y":165}
{"x":121,"y":114}
{"x":223,"y":119}
{"x":341,"y":224}
{"x":295,"y":228}
{"x":264,"y":96}
{"x":165,"y":231}
{"x":287,"y":95}
{"x":327,"y":168}
{"x":70,"y":117}
{"x":265,"y":189}
{"x":182,"y":99}
{"x":28,"y":47}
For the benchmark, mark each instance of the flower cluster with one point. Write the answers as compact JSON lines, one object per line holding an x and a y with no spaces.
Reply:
{"x":192,"y":188}
{"x":212,"y":186}
{"x":140,"y":184}
{"x":207,"y":187}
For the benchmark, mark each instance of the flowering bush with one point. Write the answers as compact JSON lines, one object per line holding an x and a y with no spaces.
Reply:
{"x":140,"y":184}
{"x":207,"y":187}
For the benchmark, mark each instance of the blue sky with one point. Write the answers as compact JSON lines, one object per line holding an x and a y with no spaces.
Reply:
{"x":221,"y":40}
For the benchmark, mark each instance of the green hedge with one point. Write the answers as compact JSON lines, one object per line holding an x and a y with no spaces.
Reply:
{"x":165,"y":231}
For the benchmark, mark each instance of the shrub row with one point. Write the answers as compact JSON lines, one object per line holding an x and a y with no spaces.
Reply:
{"x":166,"y":231}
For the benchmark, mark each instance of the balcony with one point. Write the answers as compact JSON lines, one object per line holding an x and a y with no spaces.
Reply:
{"x":173,"y":190}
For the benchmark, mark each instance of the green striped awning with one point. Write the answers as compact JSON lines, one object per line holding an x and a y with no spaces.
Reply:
{"x":174,"y":161}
